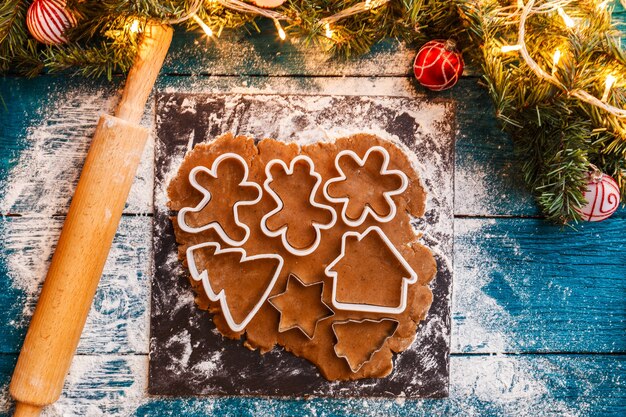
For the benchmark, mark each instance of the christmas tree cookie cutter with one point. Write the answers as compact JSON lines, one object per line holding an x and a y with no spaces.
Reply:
{"x":207,"y":197}
{"x":282,"y":232}
{"x":387,"y":195}
{"x":296,"y":325}
{"x":371,"y":308}
{"x":356,"y":367}
{"x":221,"y":296}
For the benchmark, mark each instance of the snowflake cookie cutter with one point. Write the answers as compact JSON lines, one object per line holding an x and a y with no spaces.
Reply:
{"x":282,"y":232}
{"x":221,"y":296}
{"x":387,"y":195}
{"x":371,"y":308}
{"x":207,"y":198}
{"x":356,"y":368}
{"x":296,"y":326}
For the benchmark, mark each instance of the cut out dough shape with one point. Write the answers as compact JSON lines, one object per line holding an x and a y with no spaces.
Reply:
{"x":358,"y":341}
{"x":221,"y":296}
{"x":262,"y":332}
{"x":409,"y":276}
{"x":207,"y":197}
{"x":282,"y":232}
{"x":301,"y":306}
{"x":367,"y":209}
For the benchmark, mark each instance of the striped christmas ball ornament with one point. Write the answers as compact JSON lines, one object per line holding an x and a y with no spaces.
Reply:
{"x":48,"y":20}
{"x":438,"y":65}
{"x":602,"y":197}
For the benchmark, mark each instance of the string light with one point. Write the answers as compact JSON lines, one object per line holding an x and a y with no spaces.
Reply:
{"x":207,"y":30}
{"x":555,"y":60}
{"x":608,"y":84}
{"x":510,"y":48}
{"x":329,"y":32}
{"x":542,"y":74}
{"x":279,"y":28}
{"x":569,"y":22}
{"x":134,"y":27}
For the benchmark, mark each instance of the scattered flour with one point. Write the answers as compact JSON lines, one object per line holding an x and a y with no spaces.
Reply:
{"x":115,"y":384}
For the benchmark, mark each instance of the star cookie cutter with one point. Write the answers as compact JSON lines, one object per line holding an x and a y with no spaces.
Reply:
{"x":207,"y":197}
{"x":371,"y":355}
{"x":386,"y":195}
{"x":282,"y":232}
{"x":371,"y":308}
{"x":221,"y":296}
{"x":296,"y":326}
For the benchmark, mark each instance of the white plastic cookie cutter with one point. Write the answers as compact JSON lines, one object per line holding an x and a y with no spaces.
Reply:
{"x":387,"y":195}
{"x":221,"y":296}
{"x":411,"y":277}
{"x":282,"y":232}
{"x":207,"y":197}
{"x":356,"y":367}
{"x":296,"y":325}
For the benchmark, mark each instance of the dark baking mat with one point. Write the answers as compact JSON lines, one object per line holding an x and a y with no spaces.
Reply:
{"x":188,"y":356}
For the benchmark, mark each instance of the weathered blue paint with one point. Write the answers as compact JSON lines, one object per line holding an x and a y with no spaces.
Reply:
{"x":564,"y":288}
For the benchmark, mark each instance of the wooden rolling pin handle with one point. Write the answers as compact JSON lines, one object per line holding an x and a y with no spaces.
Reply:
{"x":144,"y":72}
{"x":86,"y":238}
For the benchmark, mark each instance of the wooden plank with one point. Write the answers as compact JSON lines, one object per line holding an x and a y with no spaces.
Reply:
{"x":118,"y":321}
{"x":40,"y":157}
{"x":44,"y":137}
{"x":237,"y":52}
{"x":505,"y":385}
{"x":527,"y":286}
{"x":520,"y":285}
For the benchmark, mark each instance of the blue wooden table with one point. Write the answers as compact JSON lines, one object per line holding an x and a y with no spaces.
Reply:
{"x":538,"y":311}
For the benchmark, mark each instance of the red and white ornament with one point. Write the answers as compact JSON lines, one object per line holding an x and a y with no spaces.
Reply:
{"x":602,"y":197}
{"x":48,"y":20}
{"x":438,"y":65}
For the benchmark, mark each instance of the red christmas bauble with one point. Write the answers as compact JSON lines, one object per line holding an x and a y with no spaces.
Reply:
{"x":602,"y":197}
{"x":48,"y":20}
{"x":438,"y":65}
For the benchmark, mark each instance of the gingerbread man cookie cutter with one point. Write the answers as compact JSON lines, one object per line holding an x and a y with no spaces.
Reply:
{"x":371,"y":308}
{"x":356,"y":368}
{"x":221,"y":296}
{"x":207,"y":198}
{"x":282,"y":232}
{"x":387,"y":195}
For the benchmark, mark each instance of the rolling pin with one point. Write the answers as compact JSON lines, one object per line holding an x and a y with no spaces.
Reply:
{"x":87,"y":235}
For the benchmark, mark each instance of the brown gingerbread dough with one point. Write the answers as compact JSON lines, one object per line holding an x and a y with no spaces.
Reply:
{"x":263,"y":330}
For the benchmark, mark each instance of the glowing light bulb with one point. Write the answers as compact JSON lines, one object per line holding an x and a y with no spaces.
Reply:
{"x":134,"y":27}
{"x":281,"y":33}
{"x":329,"y":32}
{"x":608,"y":84}
{"x":602,"y":5}
{"x":555,"y":60}
{"x":569,"y":22}
{"x":510,"y":48}
{"x":207,"y":30}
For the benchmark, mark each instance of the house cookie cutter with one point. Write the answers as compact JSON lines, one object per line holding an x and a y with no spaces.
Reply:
{"x":282,"y":232}
{"x":384,"y":170}
{"x":207,"y":197}
{"x":221,"y":296}
{"x":371,"y":308}
{"x":296,"y":326}
{"x":358,"y":366}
